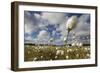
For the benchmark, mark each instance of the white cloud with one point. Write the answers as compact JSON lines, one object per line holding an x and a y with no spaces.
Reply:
{"x":84,"y":17}
{"x":28,"y":28}
{"x":83,"y":26}
{"x":38,"y":16}
{"x":28,"y":38}
{"x":46,"y":19}
{"x":59,"y":42}
{"x":28,"y":22}
{"x":80,"y":33}
{"x":54,"y":18}
{"x":62,"y":29}
{"x":34,"y":22}
{"x":82,"y":21}
{"x":43,"y":35}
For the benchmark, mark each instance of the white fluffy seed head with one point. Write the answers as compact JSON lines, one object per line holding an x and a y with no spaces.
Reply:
{"x":59,"y":52}
{"x":67,"y":51}
{"x":73,"y":44}
{"x":77,"y":44}
{"x":35,"y":59}
{"x":67,"y":56}
{"x":88,"y":55}
{"x":56,"y":57}
{"x":86,"y":48}
{"x":77,"y":55}
{"x":39,"y":47}
{"x":36,"y":48}
{"x":42,"y":47}
{"x":80,"y":44}
{"x":41,"y":56}
{"x":29,"y":52}
{"x":51,"y":40}
{"x":62,"y":52}
{"x":57,"y":48}
{"x":76,"y":49}
{"x":71,"y":23}
{"x":70,"y":50}
{"x":64,"y":39}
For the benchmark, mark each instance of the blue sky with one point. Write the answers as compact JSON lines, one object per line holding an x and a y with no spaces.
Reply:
{"x":40,"y":27}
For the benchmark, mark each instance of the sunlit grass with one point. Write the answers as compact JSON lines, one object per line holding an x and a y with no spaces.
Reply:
{"x":44,"y":53}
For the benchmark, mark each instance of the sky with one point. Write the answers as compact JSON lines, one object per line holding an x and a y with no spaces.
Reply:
{"x":40,"y":27}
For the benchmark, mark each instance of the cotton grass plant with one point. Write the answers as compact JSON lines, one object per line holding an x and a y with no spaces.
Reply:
{"x":71,"y":24}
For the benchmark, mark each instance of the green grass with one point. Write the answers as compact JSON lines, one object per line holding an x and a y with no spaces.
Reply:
{"x":36,"y":53}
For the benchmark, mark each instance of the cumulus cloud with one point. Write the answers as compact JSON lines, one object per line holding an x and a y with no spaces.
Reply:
{"x":38,"y":16}
{"x":84,"y":17}
{"x":63,"y":31}
{"x":80,"y":33}
{"x":54,"y":18}
{"x":43,"y":35}
{"x":43,"y":21}
{"x":30,"y":39}
{"x":30,"y":22}
{"x":62,"y":28}
{"x":83,"y":25}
